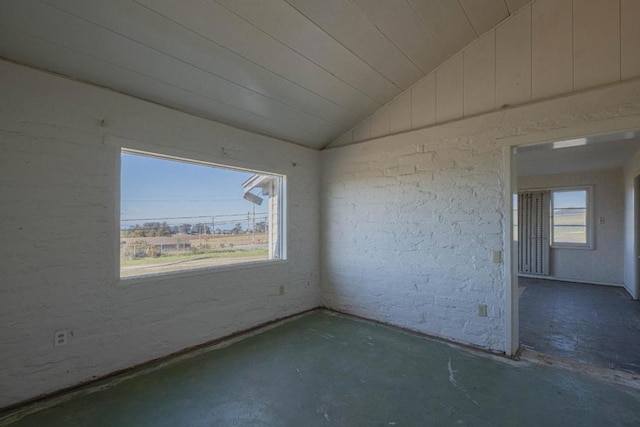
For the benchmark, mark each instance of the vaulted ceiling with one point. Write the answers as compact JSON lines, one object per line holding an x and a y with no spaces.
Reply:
{"x":300,"y":70}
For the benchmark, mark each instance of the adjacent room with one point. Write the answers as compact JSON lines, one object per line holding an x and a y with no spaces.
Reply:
{"x":301,"y":212}
{"x":569,"y":232}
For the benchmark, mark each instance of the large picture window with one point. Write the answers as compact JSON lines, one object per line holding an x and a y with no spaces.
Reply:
{"x":179,"y":214}
{"x":570,"y":218}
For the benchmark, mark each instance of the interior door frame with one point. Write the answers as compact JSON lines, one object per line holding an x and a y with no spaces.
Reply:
{"x":512,"y":319}
{"x":510,"y":266}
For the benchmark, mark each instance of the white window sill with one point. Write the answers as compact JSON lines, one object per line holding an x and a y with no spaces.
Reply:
{"x":176,"y":275}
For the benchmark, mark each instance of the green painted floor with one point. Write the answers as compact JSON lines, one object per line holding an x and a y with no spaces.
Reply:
{"x":324,"y":369}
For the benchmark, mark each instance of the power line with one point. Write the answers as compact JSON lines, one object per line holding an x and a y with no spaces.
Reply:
{"x":218,"y":223}
{"x":183,"y":200}
{"x":190,"y":217}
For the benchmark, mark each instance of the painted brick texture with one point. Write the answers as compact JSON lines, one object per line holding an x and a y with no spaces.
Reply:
{"x":410,"y":221}
{"x":417,"y":224}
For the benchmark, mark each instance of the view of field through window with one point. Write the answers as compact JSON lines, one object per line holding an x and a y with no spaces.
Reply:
{"x":178,"y":215}
{"x":569,"y":217}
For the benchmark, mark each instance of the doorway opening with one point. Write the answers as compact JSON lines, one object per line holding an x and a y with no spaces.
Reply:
{"x":575,"y":265}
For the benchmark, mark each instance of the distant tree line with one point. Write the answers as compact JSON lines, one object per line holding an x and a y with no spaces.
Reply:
{"x":162,"y":229}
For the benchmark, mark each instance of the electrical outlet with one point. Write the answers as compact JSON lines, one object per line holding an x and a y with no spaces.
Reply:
{"x":482,"y":310}
{"x":497,"y":257}
{"x":281,"y":290}
{"x":60,"y":338}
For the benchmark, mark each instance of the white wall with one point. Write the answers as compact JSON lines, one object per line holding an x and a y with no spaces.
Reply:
{"x":605,"y":263}
{"x":548,"y":48}
{"x":58,"y":181}
{"x":631,"y":251}
{"x":410,"y":221}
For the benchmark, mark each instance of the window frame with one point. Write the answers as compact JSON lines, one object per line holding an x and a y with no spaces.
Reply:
{"x":589,"y":220}
{"x":198,"y":159}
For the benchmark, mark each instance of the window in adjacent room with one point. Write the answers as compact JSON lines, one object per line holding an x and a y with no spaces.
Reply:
{"x":570,"y":218}
{"x":180,"y":214}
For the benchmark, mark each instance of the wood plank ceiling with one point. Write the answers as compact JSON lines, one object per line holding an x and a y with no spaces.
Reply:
{"x":300,"y":70}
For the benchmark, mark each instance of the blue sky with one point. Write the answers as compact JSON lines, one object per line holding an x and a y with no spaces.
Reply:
{"x":569,"y":199}
{"x":158,"y":188}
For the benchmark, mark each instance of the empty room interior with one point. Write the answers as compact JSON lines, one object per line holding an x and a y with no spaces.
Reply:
{"x":304,"y":212}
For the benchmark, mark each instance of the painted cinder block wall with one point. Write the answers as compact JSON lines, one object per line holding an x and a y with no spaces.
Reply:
{"x":58,"y":180}
{"x":604,"y":264}
{"x":546,"y":49}
{"x":410,"y":221}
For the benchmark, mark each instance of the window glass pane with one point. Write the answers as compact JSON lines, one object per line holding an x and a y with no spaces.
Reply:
{"x":178,"y":215}
{"x":570,"y":216}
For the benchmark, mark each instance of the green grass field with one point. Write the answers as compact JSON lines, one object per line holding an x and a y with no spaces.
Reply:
{"x":567,"y":227}
{"x":166,"y":259}
{"x":570,"y":227}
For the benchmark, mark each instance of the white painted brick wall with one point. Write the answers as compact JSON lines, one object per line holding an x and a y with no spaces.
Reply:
{"x":58,"y":183}
{"x":410,"y":221}
{"x":416,"y":229}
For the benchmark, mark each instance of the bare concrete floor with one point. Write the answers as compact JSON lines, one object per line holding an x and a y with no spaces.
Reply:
{"x":598,"y":325}
{"x":322,"y":369}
